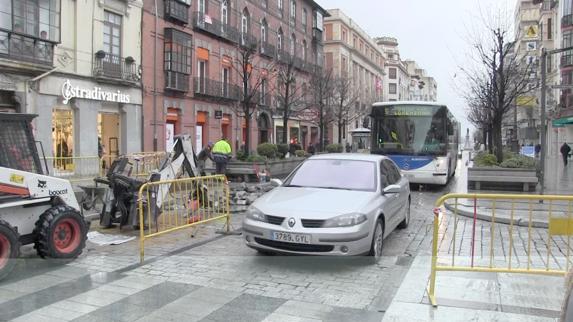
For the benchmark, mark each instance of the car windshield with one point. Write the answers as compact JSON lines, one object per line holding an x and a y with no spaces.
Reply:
{"x":335,"y":174}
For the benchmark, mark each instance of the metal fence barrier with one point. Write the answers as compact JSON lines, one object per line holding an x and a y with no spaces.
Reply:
{"x":171,"y":205}
{"x":510,"y":247}
{"x":85,"y":168}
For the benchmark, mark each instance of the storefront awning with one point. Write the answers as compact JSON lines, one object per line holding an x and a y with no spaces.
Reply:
{"x":562,"y":121}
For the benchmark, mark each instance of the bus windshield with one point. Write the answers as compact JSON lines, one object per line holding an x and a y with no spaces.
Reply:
{"x":410,"y":130}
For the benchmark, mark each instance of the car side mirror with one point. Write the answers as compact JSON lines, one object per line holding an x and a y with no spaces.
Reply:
{"x":276,"y":183}
{"x":391,"y":189}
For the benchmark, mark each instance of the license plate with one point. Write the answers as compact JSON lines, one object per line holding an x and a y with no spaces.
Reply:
{"x":291,"y":238}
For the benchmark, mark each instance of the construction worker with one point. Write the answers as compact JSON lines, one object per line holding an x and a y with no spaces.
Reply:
{"x":202,"y":158}
{"x":221,"y":154}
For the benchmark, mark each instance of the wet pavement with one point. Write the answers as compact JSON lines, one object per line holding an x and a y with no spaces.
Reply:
{"x":213,"y":277}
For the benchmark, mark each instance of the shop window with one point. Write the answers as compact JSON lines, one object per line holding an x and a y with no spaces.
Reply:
{"x":108,"y":134}
{"x":62,"y":140}
{"x":226,"y":126}
{"x":177,"y":64}
{"x":201,"y":130}
{"x":279,"y":135}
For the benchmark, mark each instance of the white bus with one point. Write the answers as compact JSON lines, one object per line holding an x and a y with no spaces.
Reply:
{"x":422,"y":138}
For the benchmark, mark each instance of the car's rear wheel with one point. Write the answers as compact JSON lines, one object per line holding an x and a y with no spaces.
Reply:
{"x":377,"y":242}
{"x":404,"y":224}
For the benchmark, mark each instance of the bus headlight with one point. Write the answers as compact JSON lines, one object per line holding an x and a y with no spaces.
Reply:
{"x":440,"y":165}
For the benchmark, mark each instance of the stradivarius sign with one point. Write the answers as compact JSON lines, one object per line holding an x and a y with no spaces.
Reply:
{"x":70,"y":91}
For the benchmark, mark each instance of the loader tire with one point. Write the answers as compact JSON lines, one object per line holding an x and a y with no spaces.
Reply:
{"x":61,"y":233}
{"x":9,"y":248}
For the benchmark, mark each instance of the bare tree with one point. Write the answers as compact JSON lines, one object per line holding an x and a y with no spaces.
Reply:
{"x":252,"y":71}
{"x":322,"y":89}
{"x":480,"y":100}
{"x":291,"y":94}
{"x":345,"y":95}
{"x":503,"y":76}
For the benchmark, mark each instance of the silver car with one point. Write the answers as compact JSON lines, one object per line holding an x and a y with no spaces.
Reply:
{"x":332,"y":204}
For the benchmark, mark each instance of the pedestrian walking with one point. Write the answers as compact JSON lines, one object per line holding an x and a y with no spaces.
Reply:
{"x":203,"y":156}
{"x":537,"y":150}
{"x":221,"y":155}
{"x":565,"y":150}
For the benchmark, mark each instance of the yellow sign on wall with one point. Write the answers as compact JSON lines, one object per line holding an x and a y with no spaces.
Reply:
{"x":527,"y":101}
{"x":531,"y":31}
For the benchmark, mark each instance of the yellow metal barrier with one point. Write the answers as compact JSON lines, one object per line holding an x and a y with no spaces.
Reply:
{"x":553,"y":258}
{"x":171,"y":205}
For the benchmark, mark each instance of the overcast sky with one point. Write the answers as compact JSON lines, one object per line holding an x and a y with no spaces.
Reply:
{"x":434,"y":33}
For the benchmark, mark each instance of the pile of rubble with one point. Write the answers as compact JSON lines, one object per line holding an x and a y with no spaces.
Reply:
{"x":243,"y":194}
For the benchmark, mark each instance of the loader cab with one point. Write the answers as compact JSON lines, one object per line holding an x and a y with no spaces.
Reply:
{"x":17,"y":145}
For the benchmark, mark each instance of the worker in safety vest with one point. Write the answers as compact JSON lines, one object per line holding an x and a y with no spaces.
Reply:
{"x":221,"y":154}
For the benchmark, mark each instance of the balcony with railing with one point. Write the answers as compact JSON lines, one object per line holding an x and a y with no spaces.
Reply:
{"x":114,"y":67}
{"x":264,"y":99}
{"x":317,"y":35}
{"x":299,"y":63}
{"x":567,"y":21}
{"x":215,"y":27}
{"x":22,"y":47}
{"x":567,"y":59}
{"x":267,"y":49}
{"x":283,"y":56}
{"x":248,"y":40}
{"x":211,"y":88}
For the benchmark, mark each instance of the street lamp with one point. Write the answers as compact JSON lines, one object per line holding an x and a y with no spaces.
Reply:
{"x":544,"y":54}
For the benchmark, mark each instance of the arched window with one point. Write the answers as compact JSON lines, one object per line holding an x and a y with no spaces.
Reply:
{"x":225,"y":12}
{"x":245,"y":25}
{"x":292,"y":44}
{"x":264,"y":28}
{"x":280,"y":39}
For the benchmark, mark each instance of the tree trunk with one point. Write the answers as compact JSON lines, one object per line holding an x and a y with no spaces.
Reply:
{"x":484,"y":136}
{"x":497,"y":139}
{"x":285,"y":129}
{"x":321,"y":129}
{"x":490,"y":138}
{"x":248,"y":134}
{"x":340,"y":129}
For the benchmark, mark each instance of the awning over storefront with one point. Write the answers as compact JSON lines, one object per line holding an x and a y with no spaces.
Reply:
{"x":563,"y":121}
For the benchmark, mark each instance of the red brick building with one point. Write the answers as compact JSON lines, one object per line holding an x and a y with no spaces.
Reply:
{"x":192,"y":82}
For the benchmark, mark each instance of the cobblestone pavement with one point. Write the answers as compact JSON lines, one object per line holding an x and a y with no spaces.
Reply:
{"x":213,"y":277}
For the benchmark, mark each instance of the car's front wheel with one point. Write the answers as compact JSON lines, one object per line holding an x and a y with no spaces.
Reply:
{"x":377,"y":242}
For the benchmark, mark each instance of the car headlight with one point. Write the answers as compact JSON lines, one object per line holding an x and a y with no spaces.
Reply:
{"x":255,"y":214}
{"x":345,"y":220}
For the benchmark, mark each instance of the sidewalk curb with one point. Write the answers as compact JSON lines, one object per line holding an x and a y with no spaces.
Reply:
{"x":501,"y":220}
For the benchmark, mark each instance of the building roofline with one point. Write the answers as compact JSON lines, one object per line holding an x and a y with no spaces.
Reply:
{"x":315,"y":5}
{"x":354,"y":26}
